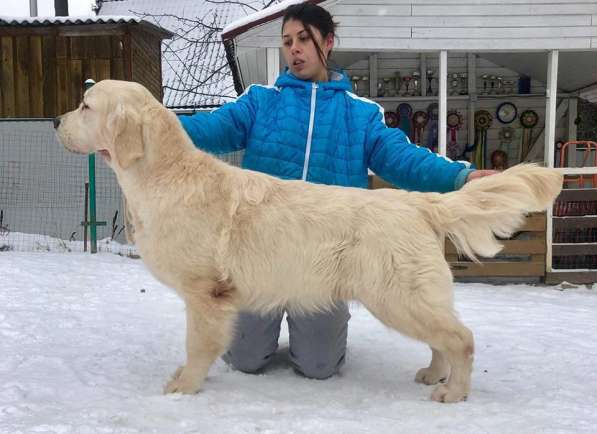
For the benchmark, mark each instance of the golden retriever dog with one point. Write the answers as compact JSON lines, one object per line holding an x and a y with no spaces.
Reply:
{"x":228,"y":239}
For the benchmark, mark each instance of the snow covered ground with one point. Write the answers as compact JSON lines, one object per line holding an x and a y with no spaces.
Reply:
{"x":87,"y":342}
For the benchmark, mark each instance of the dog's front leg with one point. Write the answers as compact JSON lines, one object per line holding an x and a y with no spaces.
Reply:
{"x":210,"y":321}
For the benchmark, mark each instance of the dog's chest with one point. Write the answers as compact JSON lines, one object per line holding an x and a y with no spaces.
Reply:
{"x":172,"y":254}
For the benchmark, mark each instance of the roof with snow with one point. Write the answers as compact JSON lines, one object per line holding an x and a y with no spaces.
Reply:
{"x":78,"y":20}
{"x":195,"y":75}
{"x":274,"y":11}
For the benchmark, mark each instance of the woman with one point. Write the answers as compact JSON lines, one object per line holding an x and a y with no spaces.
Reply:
{"x":310,"y":126}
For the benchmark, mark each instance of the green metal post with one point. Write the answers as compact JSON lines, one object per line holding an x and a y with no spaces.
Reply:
{"x":92,"y":207}
{"x":93,"y":223}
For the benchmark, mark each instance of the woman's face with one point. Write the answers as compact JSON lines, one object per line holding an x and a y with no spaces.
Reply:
{"x":300,"y":52}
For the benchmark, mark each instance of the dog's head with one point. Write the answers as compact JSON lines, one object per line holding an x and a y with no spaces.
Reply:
{"x":110,"y":121}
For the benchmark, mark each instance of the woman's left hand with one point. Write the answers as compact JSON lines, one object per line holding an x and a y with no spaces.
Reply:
{"x":480,"y":174}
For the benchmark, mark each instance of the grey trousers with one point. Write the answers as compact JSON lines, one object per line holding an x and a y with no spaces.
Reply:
{"x":317,"y":341}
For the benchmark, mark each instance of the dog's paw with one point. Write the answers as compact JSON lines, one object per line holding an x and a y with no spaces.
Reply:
{"x":429,"y":376}
{"x":443,"y":393}
{"x":181,"y":382}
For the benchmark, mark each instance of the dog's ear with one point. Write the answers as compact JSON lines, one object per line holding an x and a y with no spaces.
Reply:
{"x":128,"y":135}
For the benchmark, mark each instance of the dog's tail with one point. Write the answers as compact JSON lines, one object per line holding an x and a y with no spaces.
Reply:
{"x":492,"y":206}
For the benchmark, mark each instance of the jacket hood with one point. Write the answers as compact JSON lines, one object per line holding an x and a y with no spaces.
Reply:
{"x":338,"y":81}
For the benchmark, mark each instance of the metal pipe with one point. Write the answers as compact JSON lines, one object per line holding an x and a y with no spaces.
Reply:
{"x":92,"y":203}
{"x":32,"y":8}
{"x":61,"y":8}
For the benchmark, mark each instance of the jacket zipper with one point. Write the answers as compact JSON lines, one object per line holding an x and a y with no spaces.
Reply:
{"x":310,"y":133}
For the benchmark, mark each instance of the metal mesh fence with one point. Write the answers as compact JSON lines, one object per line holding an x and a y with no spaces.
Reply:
{"x":42,"y":193}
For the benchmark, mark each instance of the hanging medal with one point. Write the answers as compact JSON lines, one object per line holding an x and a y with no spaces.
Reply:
{"x":528,"y":120}
{"x":505,"y":113}
{"x":419,"y":121}
{"x":483,"y":120}
{"x":499,"y":160}
{"x":499,"y":157}
{"x":391,"y":119}
{"x":454,"y":122}
{"x":405,"y":119}
{"x":432,"y":126}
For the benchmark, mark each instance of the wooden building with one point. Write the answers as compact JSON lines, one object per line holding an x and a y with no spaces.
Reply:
{"x":45,"y":61}
{"x":468,"y":56}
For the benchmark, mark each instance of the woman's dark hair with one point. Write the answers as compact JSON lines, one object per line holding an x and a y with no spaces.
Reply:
{"x":310,"y":14}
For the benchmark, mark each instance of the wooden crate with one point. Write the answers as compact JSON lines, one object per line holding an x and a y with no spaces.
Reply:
{"x":523,"y":255}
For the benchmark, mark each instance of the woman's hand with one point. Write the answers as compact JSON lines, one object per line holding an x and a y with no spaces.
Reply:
{"x":480,"y":174}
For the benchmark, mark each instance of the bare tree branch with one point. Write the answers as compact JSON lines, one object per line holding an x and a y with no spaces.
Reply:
{"x":194,"y":58}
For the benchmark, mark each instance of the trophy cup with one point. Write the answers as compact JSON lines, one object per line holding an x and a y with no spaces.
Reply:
{"x":463,"y":83}
{"x":365,"y":87}
{"x":398,"y":82}
{"x":454,"y":83}
{"x":492,"y":79}
{"x":509,"y":86}
{"x":429,"y":79}
{"x":416,"y":79}
{"x":406,"y":79}
{"x":387,"y":85}
{"x":500,"y":85}
{"x":355,"y":83}
{"x":381,"y":90}
{"x":484,"y":77}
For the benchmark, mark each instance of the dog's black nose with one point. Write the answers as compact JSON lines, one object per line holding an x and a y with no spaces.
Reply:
{"x":56,"y":122}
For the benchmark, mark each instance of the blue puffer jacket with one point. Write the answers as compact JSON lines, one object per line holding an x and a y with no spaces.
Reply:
{"x":320,"y":132}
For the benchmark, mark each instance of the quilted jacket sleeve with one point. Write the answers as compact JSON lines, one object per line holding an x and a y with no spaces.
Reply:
{"x":225,"y":129}
{"x":392,"y":156}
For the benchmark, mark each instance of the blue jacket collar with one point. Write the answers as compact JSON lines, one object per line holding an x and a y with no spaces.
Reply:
{"x":338,"y":81}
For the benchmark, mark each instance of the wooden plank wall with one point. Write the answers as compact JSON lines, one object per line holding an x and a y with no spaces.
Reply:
{"x":522,"y":255}
{"x":43,"y":75}
{"x":146,"y":61}
{"x":470,"y":24}
{"x":452,"y":24}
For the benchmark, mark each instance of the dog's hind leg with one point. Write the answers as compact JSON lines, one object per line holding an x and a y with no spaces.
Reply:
{"x":211,"y":313}
{"x":435,"y":323}
{"x":456,"y":344}
{"x":437,"y":371}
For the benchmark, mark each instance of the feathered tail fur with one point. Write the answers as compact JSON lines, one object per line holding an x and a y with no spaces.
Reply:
{"x":492,"y":206}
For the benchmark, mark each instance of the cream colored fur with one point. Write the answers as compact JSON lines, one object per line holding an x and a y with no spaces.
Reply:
{"x":229,"y":239}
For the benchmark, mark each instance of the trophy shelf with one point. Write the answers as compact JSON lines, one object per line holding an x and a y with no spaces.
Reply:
{"x":381,"y":99}
{"x":416,"y":98}
{"x":513,"y":95}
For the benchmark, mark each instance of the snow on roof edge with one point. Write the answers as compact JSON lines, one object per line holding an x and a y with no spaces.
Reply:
{"x":68,"y":19}
{"x":264,"y":15}
{"x":7,"y":20}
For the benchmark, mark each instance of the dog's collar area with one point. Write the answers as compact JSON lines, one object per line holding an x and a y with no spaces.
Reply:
{"x":104,"y":154}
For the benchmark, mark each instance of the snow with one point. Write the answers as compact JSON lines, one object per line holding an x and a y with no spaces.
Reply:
{"x":19,"y":241}
{"x":259,"y":15}
{"x":81,"y":19}
{"x":88,"y":341}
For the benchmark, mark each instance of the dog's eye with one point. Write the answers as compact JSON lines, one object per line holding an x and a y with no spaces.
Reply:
{"x":84,"y":106}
